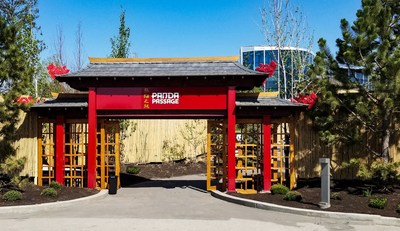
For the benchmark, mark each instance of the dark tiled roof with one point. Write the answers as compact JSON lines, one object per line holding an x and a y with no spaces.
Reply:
{"x":78,"y":100}
{"x":153,"y":69}
{"x":266,"y":102}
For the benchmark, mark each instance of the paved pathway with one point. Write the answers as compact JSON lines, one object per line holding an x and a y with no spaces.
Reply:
{"x":170,"y":205}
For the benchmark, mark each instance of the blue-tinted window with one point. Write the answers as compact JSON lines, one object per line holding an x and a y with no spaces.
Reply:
{"x":259,"y":58}
{"x":269,"y":56}
{"x":271,"y":84}
{"x":248,"y":59}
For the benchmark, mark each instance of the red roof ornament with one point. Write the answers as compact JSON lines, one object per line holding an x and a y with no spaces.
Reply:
{"x":25,"y":99}
{"x":267,"y":68}
{"x":56,"y":70}
{"x":310,"y":99}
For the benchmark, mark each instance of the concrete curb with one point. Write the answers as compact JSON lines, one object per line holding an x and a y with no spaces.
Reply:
{"x":52,"y":205}
{"x":375,"y":219}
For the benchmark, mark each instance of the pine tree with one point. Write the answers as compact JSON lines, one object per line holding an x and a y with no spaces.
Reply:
{"x":347,"y":109}
{"x":19,"y":55}
{"x":120,"y":45}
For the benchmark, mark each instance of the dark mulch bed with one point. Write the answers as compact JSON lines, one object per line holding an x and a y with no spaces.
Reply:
{"x":170,"y":169}
{"x":351,"y":198}
{"x":31,"y":195}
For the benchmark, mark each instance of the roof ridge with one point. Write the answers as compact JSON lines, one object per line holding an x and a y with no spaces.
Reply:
{"x":165,"y":60}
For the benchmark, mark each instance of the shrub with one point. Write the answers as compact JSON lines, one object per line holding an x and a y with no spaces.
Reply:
{"x":55,"y":185}
{"x":398,"y":208}
{"x":293,"y":196}
{"x":279,"y":189}
{"x":336,"y":196}
{"x":381,"y":173}
{"x":49,"y":192}
{"x":12,"y":195}
{"x":367,"y":192}
{"x":378,"y":203}
{"x":133,"y":169}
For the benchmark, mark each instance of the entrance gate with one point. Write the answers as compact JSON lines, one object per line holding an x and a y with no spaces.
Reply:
{"x":189,"y":88}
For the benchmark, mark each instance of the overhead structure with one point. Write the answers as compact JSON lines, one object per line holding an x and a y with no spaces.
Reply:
{"x":79,"y":131}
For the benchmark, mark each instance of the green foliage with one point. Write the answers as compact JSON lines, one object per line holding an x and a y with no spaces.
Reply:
{"x":293,"y":196}
{"x":49,"y":192}
{"x":336,"y":196}
{"x":19,"y":55}
{"x":172,"y":151}
{"x":371,"y":46}
{"x":133,"y":169}
{"x":12,"y":195}
{"x":398,"y":208}
{"x":126,"y":128}
{"x":12,"y":167}
{"x":367,"y":192}
{"x":193,"y":133}
{"x":55,"y":185}
{"x":279,"y":189}
{"x":23,"y":183}
{"x":379,"y":172}
{"x":378,"y":203}
{"x":120,"y":45}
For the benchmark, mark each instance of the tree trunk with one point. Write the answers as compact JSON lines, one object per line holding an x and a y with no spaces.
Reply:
{"x":385,"y":139}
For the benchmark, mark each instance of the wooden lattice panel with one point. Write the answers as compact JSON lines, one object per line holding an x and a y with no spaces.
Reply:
{"x":248,"y":154}
{"x":282,"y":157}
{"x":108,"y":152}
{"x":216,"y":155}
{"x":76,"y":140}
{"x":46,"y":153}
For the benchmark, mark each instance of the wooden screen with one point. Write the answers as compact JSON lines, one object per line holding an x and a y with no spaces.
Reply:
{"x":249,"y":146}
{"x":216,"y":155}
{"x":76,"y":141}
{"x":282,"y":157}
{"x":46,"y":152}
{"x":108,"y":152}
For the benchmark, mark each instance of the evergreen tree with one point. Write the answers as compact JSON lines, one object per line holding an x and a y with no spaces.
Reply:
{"x":19,"y":55}
{"x":347,"y":109}
{"x":120,"y":44}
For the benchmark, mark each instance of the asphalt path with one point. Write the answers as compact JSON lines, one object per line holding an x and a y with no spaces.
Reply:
{"x":174,"y":204}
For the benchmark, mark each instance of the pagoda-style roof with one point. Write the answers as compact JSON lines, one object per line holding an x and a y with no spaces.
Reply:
{"x":164,"y":72}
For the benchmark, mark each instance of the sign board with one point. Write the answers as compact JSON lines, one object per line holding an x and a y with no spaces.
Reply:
{"x":212,"y":98}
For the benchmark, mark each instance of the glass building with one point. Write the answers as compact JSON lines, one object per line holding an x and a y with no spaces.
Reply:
{"x":293,"y":63}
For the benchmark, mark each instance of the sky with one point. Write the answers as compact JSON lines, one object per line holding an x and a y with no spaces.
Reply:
{"x":177,"y":28}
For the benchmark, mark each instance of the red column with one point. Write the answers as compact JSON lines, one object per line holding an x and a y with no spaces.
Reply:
{"x":267,"y":152}
{"x":231,"y":139}
{"x":92,"y":142}
{"x":60,"y":145}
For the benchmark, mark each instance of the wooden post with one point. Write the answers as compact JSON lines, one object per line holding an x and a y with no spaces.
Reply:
{"x":92,"y":142}
{"x":267,"y":152}
{"x":60,"y":146}
{"x":231,"y":139}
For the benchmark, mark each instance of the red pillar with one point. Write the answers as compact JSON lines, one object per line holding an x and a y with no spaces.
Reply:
{"x":231,"y":139}
{"x":60,"y":145}
{"x":267,"y":152}
{"x":92,"y":142}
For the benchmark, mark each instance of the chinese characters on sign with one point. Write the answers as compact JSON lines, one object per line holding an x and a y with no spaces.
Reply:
{"x":146,"y":97}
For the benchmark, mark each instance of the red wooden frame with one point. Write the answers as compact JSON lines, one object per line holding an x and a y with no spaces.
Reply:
{"x":92,"y":139}
{"x":231,"y":139}
{"x":267,"y":152}
{"x":60,"y":146}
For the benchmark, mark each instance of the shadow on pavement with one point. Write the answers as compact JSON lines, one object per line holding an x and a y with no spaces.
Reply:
{"x":132,"y":181}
